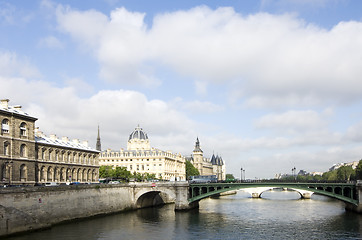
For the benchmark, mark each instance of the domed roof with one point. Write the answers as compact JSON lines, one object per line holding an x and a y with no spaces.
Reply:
{"x":138,"y":133}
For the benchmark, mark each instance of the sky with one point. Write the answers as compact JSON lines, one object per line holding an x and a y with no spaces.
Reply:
{"x":267,"y":85}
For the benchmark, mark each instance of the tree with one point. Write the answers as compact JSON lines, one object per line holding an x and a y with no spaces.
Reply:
{"x":229,"y":176}
{"x":106,"y":172}
{"x":359,"y":170}
{"x":137,"y":176}
{"x":191,"y":170}
{"x":330,"y":176}
{"x":122,"y":173}
{"x":344,"y":173}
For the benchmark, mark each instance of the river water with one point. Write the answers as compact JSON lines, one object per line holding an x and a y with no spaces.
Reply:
{"x":277,"y":215}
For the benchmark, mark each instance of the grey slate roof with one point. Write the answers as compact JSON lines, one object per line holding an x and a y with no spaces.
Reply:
{"x":60,"y":143}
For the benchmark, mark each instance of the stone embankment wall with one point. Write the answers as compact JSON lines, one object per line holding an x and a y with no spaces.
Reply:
{"x":30,"y":208}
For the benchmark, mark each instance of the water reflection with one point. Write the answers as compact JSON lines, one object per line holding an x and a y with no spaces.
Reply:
{"x":278,"y":215}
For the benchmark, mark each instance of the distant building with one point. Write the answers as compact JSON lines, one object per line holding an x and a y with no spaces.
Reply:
{"x":338,"y":165}
{"x":28,"y":157}
{"x":141,"y":158}
{"x":206,"y":166}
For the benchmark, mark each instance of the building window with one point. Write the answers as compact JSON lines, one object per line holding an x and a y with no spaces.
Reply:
{"x":23,"y":152}
{"x":6,"y":148}
{"x":23,"y":129}
{"x":5,"y":126}
{"x":23,"y":173}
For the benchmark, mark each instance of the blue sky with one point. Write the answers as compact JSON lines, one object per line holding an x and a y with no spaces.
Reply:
{"x":268,"y":85}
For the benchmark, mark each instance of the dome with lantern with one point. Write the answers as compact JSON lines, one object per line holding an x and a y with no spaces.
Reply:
{"x":138,"y":140}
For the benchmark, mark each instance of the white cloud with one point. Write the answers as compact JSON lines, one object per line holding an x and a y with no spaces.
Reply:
{"x":12,"y":65}
{"x":272,"y":56}
{"x":196,"y":107}
{"x":61,"y":111}
{"x":354,"y":133}
{"x":293,"y":121}
{"x":7,"y":13}
{"x":51,"y":42}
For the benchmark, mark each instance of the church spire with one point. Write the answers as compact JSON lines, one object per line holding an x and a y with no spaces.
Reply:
{"x":197,"y":145}
{"x":98,"y":146}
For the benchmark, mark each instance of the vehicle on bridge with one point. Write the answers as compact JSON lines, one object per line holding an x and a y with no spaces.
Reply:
{"x":203,"y":179}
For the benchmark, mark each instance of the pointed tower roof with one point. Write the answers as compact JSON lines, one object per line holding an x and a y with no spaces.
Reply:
{"x":98,"y":145}
{"x":213,"y":160}
{"x":197,"y":146}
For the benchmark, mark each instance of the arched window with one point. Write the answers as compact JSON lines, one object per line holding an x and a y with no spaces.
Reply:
{"x":43,"y":153}
{"x":5,"y":126}
{"x":23,"y":150}
{"x":23,"y":129}
{"x":23,"y":173}
{"x":50,"y":174}
{"x":6,"y":148}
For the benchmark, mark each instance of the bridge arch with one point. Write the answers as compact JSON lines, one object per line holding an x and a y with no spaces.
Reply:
{"x":146,"y":197}
{"x":149,"y":199}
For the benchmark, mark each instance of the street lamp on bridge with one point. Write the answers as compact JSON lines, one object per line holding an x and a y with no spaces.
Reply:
{"x":241,"y":174}
{"x":294,"y":172}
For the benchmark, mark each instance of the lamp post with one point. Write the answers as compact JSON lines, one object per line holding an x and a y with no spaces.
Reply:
{"x":241,"y":174}
{"x":244,"y":174}
{"x":8,"y":167}
{"x":293,"y":172}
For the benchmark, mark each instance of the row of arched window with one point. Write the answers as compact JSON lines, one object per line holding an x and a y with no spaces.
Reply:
{"x":7,"y":172}
{"x":23,"y":151}
{"x":5,"y":128}
{"x":56,"y":155}
{"x":63,"y":174}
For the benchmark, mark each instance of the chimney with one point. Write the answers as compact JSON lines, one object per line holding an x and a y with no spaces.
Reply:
{"x":53,"y":137}
{"x":38,"y":133}
{"x":17,"y":107}
{"x":85,"y":143}
{"x":4,"y":103}
{"x":65,"y":139}
{"x":75,"y":140}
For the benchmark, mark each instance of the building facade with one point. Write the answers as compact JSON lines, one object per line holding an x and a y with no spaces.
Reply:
{"x":206,"y":166}
{"x":140,"y":157}
{"x":28,"y":157}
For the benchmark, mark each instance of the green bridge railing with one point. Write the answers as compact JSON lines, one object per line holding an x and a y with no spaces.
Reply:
{"x":345,"y":192}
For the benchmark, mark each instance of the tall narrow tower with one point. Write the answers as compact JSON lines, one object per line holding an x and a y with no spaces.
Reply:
{"x":198,"y":156}
{"x":98,"y":145}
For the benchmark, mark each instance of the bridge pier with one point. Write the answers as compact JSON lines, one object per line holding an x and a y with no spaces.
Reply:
{"x":353,"y":207}
{"x":256,"y":192}
{"x":182,"y":196}
{"x":303,"y":193}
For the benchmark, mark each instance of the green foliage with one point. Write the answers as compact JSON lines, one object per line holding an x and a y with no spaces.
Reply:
{"x":359,"y":170}
{"x":330,"y":176}
{"x":191,"y":170}
{"x":344,"y":173}
{"x":118,"y":172}
{"x":229,"y":176}
{"x":106,"y":172}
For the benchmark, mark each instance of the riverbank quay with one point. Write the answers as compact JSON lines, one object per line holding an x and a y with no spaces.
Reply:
{"x":31,"y":208}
